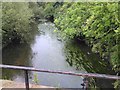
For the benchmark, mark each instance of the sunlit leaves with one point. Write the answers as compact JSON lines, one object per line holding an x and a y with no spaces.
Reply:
{"x":97,"y":22}
{"x":16,"y":21}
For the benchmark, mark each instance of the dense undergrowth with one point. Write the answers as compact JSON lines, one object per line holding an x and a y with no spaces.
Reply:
{"x":97,"y":24}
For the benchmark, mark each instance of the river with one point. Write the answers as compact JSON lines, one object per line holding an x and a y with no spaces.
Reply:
{"x":45,"y":52}
{"x":48,"y":52}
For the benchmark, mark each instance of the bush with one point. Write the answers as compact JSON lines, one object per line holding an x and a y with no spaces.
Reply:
{"x":16,"y":19}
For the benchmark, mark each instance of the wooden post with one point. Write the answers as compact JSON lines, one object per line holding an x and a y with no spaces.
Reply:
{"x":26,"y":80}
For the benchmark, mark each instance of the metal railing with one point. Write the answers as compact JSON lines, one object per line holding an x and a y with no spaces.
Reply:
{"x":85,"y":75}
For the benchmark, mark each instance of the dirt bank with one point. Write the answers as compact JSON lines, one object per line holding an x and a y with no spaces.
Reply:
{"x":13,"y":84}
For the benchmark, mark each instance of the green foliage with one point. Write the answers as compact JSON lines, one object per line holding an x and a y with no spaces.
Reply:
{"x":16,"y":20}
{"x":52,"y":8}
{"x":82,"y":57}
{"x":49,"y":9}
{"x":37,"y":9}
{"x":117,"y":85}
{"x":97,"y":23}
{"x":36,"y":81}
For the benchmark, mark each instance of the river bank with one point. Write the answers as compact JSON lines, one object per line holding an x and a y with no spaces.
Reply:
{"x":13,"y":84}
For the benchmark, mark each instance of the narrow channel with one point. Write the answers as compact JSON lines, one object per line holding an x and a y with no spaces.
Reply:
{"x":45,"y":52}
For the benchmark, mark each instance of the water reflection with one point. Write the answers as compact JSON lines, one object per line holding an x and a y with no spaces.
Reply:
{"x":80,"y":56}
{"x":16,"y":54}
{"x":49,"y":54}
{"x":46,"y":52}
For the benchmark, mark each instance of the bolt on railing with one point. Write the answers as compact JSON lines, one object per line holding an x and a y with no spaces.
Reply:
{"x":85,"y":75}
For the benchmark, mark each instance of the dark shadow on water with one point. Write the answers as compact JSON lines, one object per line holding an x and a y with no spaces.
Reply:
{"x":79,"y":55}
{"x":16,"y":54}
{"x":47,"y":52}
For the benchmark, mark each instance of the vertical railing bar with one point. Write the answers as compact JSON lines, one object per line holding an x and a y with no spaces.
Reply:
{"x":85,"y":75}
{"x":26,"y":80}
{"x":85,"y":83}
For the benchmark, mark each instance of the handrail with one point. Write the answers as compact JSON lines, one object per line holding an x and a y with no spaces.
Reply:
{"x":61,"y":72}
{"x":26,"y":69}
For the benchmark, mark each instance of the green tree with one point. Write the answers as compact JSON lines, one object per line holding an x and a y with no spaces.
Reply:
{"x":16,"y":19}
{"x":97,"y":23}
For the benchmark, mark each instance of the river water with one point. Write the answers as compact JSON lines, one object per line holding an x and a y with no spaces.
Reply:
{"x":45,"y":52}
{"x":48,"y":52}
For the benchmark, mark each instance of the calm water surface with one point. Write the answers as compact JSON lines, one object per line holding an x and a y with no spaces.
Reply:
{"x":46,"y":52}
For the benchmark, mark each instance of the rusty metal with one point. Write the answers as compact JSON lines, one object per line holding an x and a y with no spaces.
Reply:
{"x":85,"y":84}
{"x":85,"y":75}
{"x":94,"y":75}
{"x":26,"y":80}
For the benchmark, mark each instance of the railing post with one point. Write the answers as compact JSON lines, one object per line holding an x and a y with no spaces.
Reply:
{"x":85,"y":83}
{"x":26,"y":80}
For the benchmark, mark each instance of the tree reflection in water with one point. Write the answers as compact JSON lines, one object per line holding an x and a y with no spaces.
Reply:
{"x":79,"y":55}
{"x":19,"y":56}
